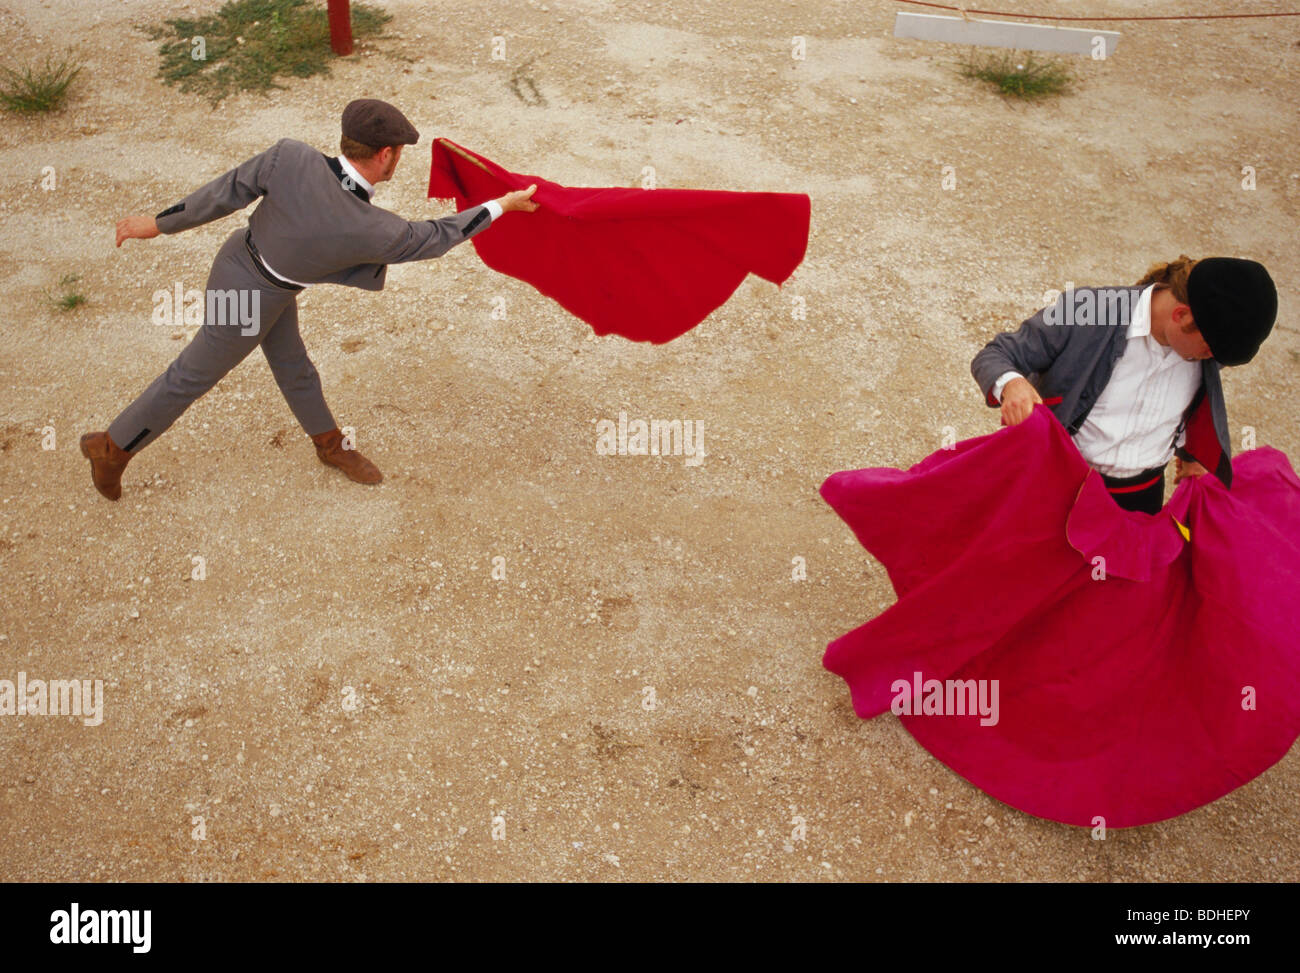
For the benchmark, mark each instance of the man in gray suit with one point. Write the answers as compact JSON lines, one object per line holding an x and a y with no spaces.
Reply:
{"x":314,"y":225}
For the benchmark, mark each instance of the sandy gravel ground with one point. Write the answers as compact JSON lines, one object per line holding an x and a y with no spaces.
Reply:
{"x":524,"y":700}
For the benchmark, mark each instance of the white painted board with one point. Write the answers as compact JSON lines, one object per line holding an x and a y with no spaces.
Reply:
{"x":1002,"y":33}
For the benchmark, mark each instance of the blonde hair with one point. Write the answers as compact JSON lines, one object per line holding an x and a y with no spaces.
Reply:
{"x":356,"y":150}
{"x":1172,"y":275}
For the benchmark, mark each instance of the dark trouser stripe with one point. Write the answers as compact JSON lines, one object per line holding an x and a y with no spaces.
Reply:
{"x":131,"y":445}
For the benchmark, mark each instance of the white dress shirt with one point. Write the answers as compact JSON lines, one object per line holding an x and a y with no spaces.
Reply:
{"x":493,"y":207}
{"x":1131,"y":426}
{"x":356,"y":176}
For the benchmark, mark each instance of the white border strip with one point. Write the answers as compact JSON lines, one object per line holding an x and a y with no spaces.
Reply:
{"x":1001,"y":33}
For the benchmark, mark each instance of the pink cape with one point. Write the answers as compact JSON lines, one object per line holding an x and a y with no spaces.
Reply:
{"x":647,"y":264}
{"x":1130,"y":699}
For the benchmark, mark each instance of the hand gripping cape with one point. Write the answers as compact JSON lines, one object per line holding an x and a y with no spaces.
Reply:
{"x":1145,"y":664}
{"x":647,"y":264}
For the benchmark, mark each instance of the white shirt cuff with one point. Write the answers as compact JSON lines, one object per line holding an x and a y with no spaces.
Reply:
{"x":494,"y":208}
{"x":1001,"y":383}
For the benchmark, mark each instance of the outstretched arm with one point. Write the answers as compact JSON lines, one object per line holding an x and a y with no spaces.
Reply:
{"x":136,"y":228}
{"x":423,"y":239}
{"x":230,"y":191}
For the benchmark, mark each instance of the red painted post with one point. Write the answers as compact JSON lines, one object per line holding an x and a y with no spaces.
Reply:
{"x":340,"y":27}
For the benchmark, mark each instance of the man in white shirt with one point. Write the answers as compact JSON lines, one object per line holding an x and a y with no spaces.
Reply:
{"x":1129,"y":411}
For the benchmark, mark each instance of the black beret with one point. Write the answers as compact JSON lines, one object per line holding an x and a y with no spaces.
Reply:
{"x":1234,"y":303}
{"x":377,"y":123}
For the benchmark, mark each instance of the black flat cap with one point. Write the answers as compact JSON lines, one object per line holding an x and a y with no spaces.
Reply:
{"x":1234,"y":303}
{"x":377,"y":123}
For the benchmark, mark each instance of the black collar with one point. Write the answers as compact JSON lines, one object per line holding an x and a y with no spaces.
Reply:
{"x":344,"y":179}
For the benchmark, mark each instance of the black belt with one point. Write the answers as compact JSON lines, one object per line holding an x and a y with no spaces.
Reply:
{"x":261,"y":266}
{"x":1132,"y":484}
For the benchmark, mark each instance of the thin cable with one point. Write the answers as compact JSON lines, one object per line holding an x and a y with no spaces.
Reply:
{"x":1002,"y":13}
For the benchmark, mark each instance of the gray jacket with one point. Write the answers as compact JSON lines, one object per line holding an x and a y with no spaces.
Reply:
{"x":311,"y":226}
{"x":1068,"y":356}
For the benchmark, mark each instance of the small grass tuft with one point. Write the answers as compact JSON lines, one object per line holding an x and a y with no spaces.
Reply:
{"x":1019,"y":75}
{"x":34,"y":89}
{"x":69,"y":299}
{"x":247,"y":44}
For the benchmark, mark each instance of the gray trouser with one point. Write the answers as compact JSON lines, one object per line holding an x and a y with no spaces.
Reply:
{"x":220,"y":346}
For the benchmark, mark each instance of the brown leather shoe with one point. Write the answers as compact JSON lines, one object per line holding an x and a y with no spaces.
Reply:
{"x":329,"y":447}
{"x":107,"y":461}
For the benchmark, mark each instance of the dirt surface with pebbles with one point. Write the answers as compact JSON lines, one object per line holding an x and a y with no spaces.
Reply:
{"x":350,"y":693}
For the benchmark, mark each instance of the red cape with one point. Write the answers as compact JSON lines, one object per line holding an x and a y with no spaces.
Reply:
{"x":1121,"y":698}
{"x":647,"y":264}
